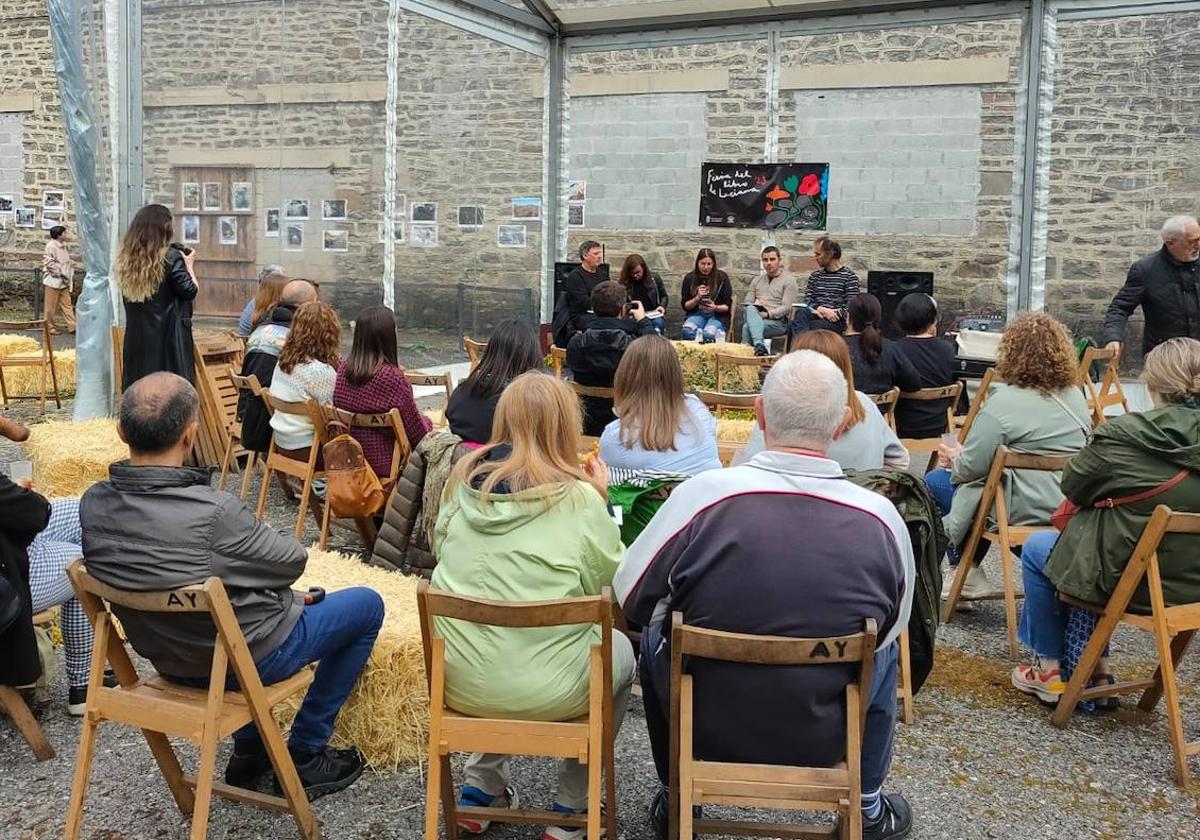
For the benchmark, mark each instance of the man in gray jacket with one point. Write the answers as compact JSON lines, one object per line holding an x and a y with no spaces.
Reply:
{"x":156,"y":524}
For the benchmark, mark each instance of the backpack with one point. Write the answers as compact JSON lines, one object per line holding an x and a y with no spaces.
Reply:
{"x":352,"y":489}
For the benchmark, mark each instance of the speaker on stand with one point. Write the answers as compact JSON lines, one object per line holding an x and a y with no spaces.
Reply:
{"x":891,"y":287}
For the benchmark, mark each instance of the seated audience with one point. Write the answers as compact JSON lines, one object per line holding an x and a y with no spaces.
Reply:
{"x":270,"y":292}
{"x":931,"y":357}
{"x":1148,"y":452}
{"x":371,"y":381}
{"x":246,"y":321}
{"x":307,"y":370}
{"x":878,"y":364}
{"x":593,"y":355}
{"x":865,"y":442}
{"x":1039,"y":409}
{"x":157,"y":524}
{"x":647,"y":288}
{"x":829,"y":289}
{"x":261,"y":356}
{"x":521,"y":520}
{"x":512,"y":350}
{"x":707,"y":300}
{"x":713,"y":553}
{"x":768,"y":304}
{"x":658,"y":428}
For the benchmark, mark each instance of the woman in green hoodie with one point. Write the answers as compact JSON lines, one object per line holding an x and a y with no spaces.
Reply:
{"x":521,"y":520}
{"x":1156,"y":450}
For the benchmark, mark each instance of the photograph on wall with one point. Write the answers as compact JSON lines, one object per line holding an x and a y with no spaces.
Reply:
{"x":773,"y":196}
{"x":424,"y":211}
{"x":335,"y":240}
{"x":271,"y":231}
{"x":397,"y":232}
{"x":54,"y":200}
{"x":296,"y":208}
{"x":527,"y":209}
{"x":7,"y":205}
{"x":26,"y":217}
{"x":240,"y":192}
{"x":51,"y":218}
{"x":294,"y":237}
{"x":227,"y":226}
{"x":510,"y":236}
{"x":189,"y":195}
{"x":401,"y":208}
{"x":333,"y":210}
{"x":576,"y":190}
{"x":424,"y":234}
{"x":190,"y":228}
{"x":212,"y":195}
{"x":575,"y":214}
{"x":470,"y":218}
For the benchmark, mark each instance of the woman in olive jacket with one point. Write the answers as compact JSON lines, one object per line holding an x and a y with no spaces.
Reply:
{"x":23,"y":514}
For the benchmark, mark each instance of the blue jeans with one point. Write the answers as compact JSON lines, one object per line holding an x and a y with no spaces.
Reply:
{"x":1043,"y":627}
{"x":707,"y":322}
{"x":655,"y":670}
{"x":756,"y":328}
{"x":804,"y":321}
{"x":338,"y":633}
{"x":657,"y":323}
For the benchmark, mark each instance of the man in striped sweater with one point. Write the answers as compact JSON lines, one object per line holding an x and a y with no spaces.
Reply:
{"x":785,"y":546}
{"x":829,"y":290}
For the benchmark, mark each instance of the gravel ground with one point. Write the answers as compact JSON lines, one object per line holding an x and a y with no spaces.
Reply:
{"x":980,"y":761}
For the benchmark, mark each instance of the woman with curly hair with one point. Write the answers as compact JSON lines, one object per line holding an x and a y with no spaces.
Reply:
{"x":307,"y":370}
{"x":158,"y":285}
{"x":1038,"y":409}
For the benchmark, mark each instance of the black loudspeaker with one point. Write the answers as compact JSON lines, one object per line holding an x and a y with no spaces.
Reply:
{"x":891,"y":287}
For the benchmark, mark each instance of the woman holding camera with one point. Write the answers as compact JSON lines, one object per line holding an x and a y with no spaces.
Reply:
{"x":707,"y":298}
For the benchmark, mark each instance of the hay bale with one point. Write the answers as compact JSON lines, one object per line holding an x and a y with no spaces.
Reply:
{"x":27,"y":381}
{"x":387,"y":713}
{"x":69,"y":457}
{"x":700,"y":366}
{"x":13,"y":344}
{"x":734,"y":431}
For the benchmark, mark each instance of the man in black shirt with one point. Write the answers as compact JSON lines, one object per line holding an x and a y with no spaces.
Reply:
{"x":579,"y":285}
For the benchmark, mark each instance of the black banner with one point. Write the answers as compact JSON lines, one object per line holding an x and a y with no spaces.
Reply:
{"x":777,"y":196}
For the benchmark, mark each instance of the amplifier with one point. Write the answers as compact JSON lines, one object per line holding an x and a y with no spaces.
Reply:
{"x":968,"y":368}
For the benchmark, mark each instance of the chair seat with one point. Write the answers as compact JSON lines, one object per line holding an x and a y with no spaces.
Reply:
{"x":552,"y":739}
{"x":1179,"y":619}
{"x":1018,"y":534}
{"x":45,"y":616}
{"x":769,"y":786}
{"x":181,"y":709}
{"x":23,"y":361}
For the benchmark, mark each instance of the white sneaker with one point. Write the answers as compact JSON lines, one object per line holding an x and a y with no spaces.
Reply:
{"x":977,"y":584}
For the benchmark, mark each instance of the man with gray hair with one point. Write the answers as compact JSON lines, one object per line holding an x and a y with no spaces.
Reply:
{"x":1166,"y":284}
{"x":783,"y":545}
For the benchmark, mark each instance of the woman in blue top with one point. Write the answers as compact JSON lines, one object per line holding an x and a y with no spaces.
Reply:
{"x":658,"y":427}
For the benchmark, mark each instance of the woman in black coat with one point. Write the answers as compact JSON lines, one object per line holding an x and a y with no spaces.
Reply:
{"x":23,"y":514}
{"x":158,"y":285}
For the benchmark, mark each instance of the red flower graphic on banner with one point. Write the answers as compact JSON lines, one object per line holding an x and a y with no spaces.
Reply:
{"x":811,"y":185}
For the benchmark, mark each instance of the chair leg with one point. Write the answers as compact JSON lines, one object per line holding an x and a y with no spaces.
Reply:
{"x":1084,"y":668}
{"x":248,"y":473}
{"x":956,"y":588}
{"x":908,"y":714}
{"x":595,"y":790}
{"x":286,"y":486}
{"x":1010,"y":598}
{"x":448,"y":804}
{"x":54,"y":381}
{"x":305,"y":493}
{"x":323,"y":523}
{"x":262,"y":493}
{"x":1166,"y":674}
{"x":433,"y":790}
{"x":1152,"y":695}
{"x":225,"y":458}
{"x":79,"y":784}
{"x":289,"y":781}
{"x":3,"y":388}
{"x":208,"y":761}
{"x":12,"y":703}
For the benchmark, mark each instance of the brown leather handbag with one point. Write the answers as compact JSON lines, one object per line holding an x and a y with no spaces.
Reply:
{"x":352,"y":490}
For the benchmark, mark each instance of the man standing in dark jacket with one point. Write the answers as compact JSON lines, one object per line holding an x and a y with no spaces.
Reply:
{"x":593,"y":355}
{"x":1166,"y":284}
{"x":156,"y":524}
{"x":262,"y":352}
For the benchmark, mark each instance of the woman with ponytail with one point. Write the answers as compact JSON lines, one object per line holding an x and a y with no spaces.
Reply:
{"x":878,"y":366}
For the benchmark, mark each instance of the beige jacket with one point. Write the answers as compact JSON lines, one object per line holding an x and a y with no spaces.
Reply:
{"x":58,"y":272}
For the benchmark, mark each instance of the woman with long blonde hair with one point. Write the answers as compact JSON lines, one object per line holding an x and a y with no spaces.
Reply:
{"x":158,"y":284}
{"x":522,"y":520}
{"x":658,"y":427}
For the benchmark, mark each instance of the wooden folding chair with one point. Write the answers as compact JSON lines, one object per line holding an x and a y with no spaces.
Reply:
{"x":14,"y":705}
{"x":203,"y":716}
{"x":592,"y":391}
{"x":696,"y":782}
{"x":887,"y":405}
{"x":43,"y":358}
{"x":964,"y":424}
{"x":1005,"y":535}
{"x":904,"y":689}
{"x":306,"y":471}
{"x":474,"y":350}
{"x":1109,"y":391}
{"x":558,"y":359}
{"x":1173,"y":629}
{"x":431,"y":380}
{"x":724,"y":361}
{"x":118,"y":345}
{"x":721,"y":404}
{"x":589,"y":739}
{"x":234,"y":431}
{"x":401,"y":450}
{"x":950,"y":393}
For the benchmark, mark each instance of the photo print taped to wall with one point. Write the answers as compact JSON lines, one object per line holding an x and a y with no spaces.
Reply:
{"x":240,"y":193}
{"x":470,"y":218}
{"x":424,"y":211}
{"x":296,"y":208}
{"x":228,"y":229}
{"x":333,"y":209}
{"x":189,"y":229}
{"x":294,"y":237}
{"x":271,"y":230}
{"x":212,"y":195}
{"x":189,"y":195}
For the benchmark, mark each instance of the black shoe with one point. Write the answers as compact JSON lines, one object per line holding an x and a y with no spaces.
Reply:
{"x":760,"y":349}
{"x":77,"y":694}
{"x":895,"y":821}
{"x":248,"y":764}
{"x":328,"y":771}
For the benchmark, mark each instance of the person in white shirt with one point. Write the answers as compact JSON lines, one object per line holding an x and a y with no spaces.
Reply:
{"x":307,"y":369}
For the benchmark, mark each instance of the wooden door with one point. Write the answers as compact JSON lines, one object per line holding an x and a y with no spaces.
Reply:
{"x":223,"y":236}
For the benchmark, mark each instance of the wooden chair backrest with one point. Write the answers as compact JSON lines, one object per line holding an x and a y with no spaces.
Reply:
{"x":474,"y":350}
{"x":401,"y":448}
{"x":1010,"y":459}
{"x":718,"y":402}
{"x":951,"y":393}
{"x":308,"y":408}
{"x":1108,"y":392}
{"x":558,"y":358}
{"x":432,"y":380}
{"x":887,"y":401}
{"x":247,"y":383}
{"x":989,"y":378}
{"x":45,"y":349}
{"x":592,"y":391}
{"x":721,"y":361}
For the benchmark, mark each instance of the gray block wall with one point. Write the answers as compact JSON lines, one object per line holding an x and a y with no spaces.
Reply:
{"x":641,"y":156}
{"x":902,"y":160}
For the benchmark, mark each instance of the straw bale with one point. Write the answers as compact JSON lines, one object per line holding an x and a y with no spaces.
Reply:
{"x":27,"y":381}
{"x":387,"y":713}
{"x":70,"y":457}
{"x":734,"y":431}
{"x":13,"y":344}
{"x":700,"y":366}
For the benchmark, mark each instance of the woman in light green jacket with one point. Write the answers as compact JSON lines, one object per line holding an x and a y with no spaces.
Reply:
{"x":521,"y":521}
{"x":1039,"y":409}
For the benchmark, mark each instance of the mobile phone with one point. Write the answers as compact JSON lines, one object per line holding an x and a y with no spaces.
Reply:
{"x":707,"y":301}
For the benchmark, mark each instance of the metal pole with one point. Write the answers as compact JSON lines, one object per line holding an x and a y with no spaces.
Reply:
{"x":1033,"y":101}
{"x":553,"y":220}
{"x":130,"y":196}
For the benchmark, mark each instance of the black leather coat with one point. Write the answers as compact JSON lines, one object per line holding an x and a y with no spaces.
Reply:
{"x":158,"y":331}
{"x":23,"y":514}
{"x":1168,"y":292}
